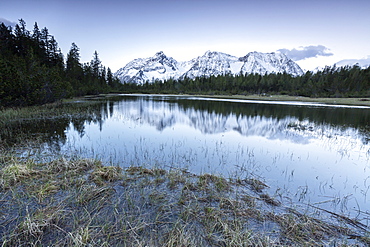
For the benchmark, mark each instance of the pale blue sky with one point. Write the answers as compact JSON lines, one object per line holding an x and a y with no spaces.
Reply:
{"x":124,"y":30}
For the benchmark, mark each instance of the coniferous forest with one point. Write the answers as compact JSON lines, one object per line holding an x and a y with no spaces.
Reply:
{"x":34,"y":71}
{"x":339,"y":82}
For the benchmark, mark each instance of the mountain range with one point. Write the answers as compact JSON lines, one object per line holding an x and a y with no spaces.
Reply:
{"x":161,"y":67}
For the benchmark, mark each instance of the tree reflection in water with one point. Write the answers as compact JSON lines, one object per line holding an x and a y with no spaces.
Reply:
{"x":312,"y":153}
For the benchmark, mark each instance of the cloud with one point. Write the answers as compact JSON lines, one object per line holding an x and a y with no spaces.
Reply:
{"x":304,"y":52}
{"x":7,"y":22}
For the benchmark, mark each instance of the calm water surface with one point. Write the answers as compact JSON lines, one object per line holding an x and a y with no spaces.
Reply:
{"x":313,"y":154}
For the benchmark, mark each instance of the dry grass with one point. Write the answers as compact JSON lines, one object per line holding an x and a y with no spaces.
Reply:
{"x":83,"y":203}
{"x":103,"y":174}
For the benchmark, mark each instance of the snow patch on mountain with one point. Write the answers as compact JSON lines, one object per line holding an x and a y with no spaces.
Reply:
{"x":363,"y":63}
{"x":142,"y":69}
{"x":212,"y":63}
{"x":161,"y":67}
{"x":262,"y":63}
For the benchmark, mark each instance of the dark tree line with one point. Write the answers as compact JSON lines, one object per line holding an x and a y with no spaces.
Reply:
{"x":33,"y":70}
{"x":349,"y":81}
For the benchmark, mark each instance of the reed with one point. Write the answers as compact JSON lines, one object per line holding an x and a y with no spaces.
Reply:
{"x":82,"y":202}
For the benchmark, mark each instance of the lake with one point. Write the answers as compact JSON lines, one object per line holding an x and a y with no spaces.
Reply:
{"x":306,"y":153}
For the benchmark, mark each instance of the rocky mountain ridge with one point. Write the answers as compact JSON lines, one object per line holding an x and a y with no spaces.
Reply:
{"x":161,"y":67}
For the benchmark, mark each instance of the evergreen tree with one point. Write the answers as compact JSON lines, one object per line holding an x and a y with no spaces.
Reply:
{"x":20,"y":30}
{"x":36,"y":34}
{"x":21,"y":38}
{"x":32,"y":68}
{"x":74,"y":71}
{"x":6,"y":40}
{"x":95,"y":64}
{"x":73,"y":61}
{"x":45,"y":39}
{"x":110,"y":78}
{"x":103,"y":79}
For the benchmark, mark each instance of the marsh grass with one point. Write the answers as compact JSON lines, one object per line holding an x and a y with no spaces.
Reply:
{"x":332,"y":101}
{"x":16,"y":124}
{"x":45,"y":111}
{"x":81,"y":202}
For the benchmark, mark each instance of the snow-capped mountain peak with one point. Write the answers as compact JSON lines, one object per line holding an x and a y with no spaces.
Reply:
{"x":262,"y":63}
{"x":211,"y":63}
{"x":143,"y":69}
{"x":159,"y":54}
{"x":161,"y":67}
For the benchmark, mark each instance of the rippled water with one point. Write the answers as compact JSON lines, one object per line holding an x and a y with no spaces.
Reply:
{"x":314,"y":154}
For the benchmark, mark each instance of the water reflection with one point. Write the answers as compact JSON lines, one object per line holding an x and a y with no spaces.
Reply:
{"x":52,"y":130}
{"x":318,"y":155}
{"x":314,"y":154}
{"x":297,"y":124}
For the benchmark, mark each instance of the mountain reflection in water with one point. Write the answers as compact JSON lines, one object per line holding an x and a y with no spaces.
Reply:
{"x":313,"y":154}
{"x":296,"y":124}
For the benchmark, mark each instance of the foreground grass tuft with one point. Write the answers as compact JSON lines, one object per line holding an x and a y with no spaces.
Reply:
{"x":81,"y":202}
{"x":106,"y":174}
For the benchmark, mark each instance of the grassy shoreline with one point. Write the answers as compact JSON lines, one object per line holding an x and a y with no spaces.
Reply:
{"x":363,"y":101}
{"x":330,"y":101}
{"x":81,"y":202}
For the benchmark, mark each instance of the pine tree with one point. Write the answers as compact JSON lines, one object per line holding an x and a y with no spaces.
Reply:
{"x":103,"y":79}
{"x":45,"y":39}
{"x":36,"y":34}
{"x":21,"y":38}
{"x":6,"y":40}
{"x":20,"y":29}
{"x":32,"y":68}
{"x":110,"y":78}
{"x":73,"y":61}
{"x":96,"y":64}
{"x":55,"y":55}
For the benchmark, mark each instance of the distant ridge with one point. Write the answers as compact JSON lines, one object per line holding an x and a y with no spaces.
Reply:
{"x":161,"y":67}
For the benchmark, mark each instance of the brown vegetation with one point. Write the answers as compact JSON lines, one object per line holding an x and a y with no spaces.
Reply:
{"x":83,"y":203}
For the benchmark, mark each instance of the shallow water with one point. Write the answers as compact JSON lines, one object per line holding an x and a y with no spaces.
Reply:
{"x":314,"y":154}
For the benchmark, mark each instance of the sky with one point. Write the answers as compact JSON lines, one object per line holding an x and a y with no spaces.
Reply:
{"x":314,"y":33}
